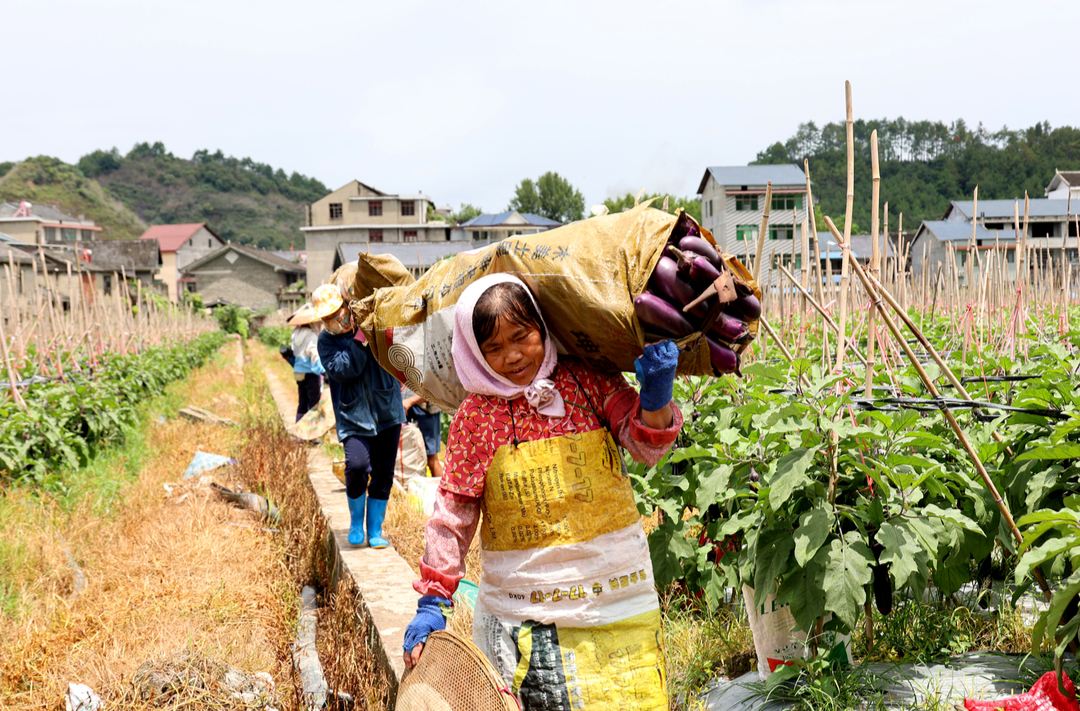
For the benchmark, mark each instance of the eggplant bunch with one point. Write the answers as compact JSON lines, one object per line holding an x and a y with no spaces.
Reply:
{"x":685,"y":270}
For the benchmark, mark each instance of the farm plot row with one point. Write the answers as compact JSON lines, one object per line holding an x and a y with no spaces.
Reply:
{"x":62,"y":423}
{"x":791,"y":482}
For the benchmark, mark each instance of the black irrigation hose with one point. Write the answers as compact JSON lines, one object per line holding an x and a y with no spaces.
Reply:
{"x":998,"y":378}
{"x":927,"y":404}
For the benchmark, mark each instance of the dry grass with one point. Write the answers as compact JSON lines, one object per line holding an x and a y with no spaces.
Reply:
{"x":166,"y":573}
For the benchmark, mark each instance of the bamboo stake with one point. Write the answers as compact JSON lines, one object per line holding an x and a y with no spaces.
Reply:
{"x":875,"y":260}
{"x":845,"y":242}
{"x":763,"y":232}
{"x":826,"y":318}
{"x":805,"y":283}
{"x":12,"y":379}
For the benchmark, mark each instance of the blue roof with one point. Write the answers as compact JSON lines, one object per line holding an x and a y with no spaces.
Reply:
{"x":948,"y":231}
{"x":488,"y":220}
{"x":755,"y":175}
{"x":998,"y":209}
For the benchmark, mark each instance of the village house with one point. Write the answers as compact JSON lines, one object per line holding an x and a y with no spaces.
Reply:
{"x":35,"y":224}
{"x":108,"y":260}
{"x":1052,"y":229}
{"x":246,"y":276}
{"x":180,"y":246}
{"x":732,"y":204}
{"x":482,"y":230}
{"x":359,"y":214}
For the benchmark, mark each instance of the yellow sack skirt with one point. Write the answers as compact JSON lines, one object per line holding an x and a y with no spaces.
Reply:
{"x":567,"y":609}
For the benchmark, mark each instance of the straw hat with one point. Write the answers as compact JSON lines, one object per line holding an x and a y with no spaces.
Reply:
{"x":326,"y":300}
{"x":303,"y":316}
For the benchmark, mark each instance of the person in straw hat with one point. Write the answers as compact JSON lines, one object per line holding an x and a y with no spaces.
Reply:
{"x":367,"y":403}
{"x":567,"y":610}
{"x":307,"y":368}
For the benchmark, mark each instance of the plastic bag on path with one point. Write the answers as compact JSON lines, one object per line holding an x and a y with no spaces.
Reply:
{"x":778,"y":639}
{"x":411,"y":463}
{"x":1043,"y":696}
{"x":585,"y":277}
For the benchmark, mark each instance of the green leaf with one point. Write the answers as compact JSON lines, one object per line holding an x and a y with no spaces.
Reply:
{"x":802,"y":590}
{"x":901,"y":547}
{"x":847,"y":571}
{"x":1066,"y":450}
{"x":790,"y":475}
{"x":694,"y":451}
{"x":952,"y":516}
{"x":771,"y":556}
{"x":813,"y":531}
{"x":710,"y":486}
{"x":1042,"y":553}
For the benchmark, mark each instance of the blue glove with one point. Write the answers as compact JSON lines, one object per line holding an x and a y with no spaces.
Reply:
{"x":429,"y":618}
{"x":656,"y":373}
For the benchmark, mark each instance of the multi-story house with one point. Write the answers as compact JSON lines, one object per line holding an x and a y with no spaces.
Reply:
{"x":732,"y":204}
{"x":358,"y":214}
{"x":38,"y":224}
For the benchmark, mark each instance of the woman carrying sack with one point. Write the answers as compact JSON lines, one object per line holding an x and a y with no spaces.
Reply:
{"x":367,"y":404}
{"x":567,"y":610}
{"x":307,"y":368}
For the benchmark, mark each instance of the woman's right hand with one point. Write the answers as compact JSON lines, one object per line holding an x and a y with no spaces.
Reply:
{"x":430,"y":617}
{"x":411,"y":658}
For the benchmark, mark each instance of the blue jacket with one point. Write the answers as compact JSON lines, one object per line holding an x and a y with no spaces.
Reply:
{"x":366,"y":398}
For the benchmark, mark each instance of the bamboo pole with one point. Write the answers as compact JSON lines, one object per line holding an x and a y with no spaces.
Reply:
{"x":845,"y":242}
{"x":826,"y":318}
{"x":763,"y":232}
{"x":875,"y":259}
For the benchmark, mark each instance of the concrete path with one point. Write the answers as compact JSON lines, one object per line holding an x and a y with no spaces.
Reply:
{"x":383,"y":577}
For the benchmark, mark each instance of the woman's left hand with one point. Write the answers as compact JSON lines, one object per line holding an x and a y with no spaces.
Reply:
{"x":656,"y":372}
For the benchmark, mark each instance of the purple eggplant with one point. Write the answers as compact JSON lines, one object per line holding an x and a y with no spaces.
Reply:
{"x":724,"y":360}
{"x":665,"y":282}
{"x":702,"y":272}
{"x":660,"y":317}
{"x":701,"y":247}
{"x":745,"y":308}
{"x":692,"y":230}
{"x":728,"y":328}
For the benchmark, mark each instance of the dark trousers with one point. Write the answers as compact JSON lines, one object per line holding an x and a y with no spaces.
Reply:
{"x":369,"y":463}
{"x":308,"y":391}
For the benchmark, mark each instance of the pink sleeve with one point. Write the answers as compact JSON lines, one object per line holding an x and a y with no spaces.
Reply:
{"x":449,"y":533}
{"x":623,"y":411}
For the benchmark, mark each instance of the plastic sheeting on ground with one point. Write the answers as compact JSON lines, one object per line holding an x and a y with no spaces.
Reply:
{"x":204,"y":462}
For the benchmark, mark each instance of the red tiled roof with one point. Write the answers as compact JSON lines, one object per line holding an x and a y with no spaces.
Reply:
{"x":172,"y":237}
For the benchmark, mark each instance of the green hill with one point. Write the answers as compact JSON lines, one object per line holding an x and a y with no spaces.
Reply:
{"x":50,"y":181}
{"x":241,"y":200}
{"x":924,"y":165}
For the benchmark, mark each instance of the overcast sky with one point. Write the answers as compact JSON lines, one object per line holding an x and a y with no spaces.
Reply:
{"x":464,"y":99}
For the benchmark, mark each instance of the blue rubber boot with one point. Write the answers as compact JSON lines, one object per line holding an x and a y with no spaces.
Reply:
{"x":376,"y":512}
{"x":356,"y":520}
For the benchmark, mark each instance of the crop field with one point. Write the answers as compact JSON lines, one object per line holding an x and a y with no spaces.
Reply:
{"x":898,"y":463}
{"x":72,"y":373}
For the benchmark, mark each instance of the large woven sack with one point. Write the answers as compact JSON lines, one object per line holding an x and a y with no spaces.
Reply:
{"x":453,"y":675}
{"x":411,"y":462}
{"x":585,"y":277}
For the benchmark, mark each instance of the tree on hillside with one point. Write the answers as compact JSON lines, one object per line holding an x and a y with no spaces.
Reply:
{"x":551,"y":196}
{"x":94,"y":164}
{"x":925,"y":165}
{"x":691,"y":205}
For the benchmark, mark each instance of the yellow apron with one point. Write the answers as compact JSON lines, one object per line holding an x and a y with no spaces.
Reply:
{"x":567,"y":610}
